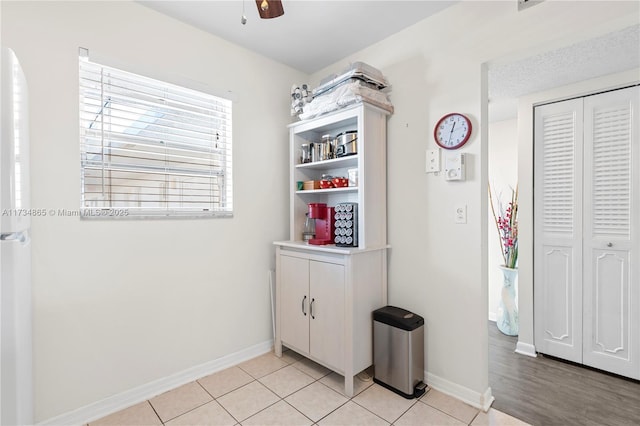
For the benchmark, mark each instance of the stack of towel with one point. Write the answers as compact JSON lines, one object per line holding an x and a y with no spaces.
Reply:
{"x":359,"y":82}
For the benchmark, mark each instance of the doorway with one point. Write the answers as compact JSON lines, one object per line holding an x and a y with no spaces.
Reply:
{"x":511,"y":95}
{"x":520,"y":104}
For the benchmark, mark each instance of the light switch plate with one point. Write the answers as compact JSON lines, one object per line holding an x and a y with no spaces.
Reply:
{"x":433,"y":161}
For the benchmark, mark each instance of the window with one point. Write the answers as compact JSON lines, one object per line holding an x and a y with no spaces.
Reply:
{"x":150,"y":148}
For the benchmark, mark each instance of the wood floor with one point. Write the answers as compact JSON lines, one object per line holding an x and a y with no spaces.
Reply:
{"x":548,"y":391}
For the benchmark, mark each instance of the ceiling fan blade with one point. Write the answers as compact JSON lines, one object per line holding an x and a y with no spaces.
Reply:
{"x":273,"y":10}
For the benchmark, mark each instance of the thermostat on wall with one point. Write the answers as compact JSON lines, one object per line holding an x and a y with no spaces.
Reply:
{"x":454,"y":166}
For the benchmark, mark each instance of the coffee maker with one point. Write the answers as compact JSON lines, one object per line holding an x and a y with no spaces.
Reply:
{"x":325,"y":227}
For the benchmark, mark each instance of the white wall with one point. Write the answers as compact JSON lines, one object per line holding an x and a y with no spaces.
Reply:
{"x":438,"y":268}
{"x":118,"y":304}
{"x":503,"y":176}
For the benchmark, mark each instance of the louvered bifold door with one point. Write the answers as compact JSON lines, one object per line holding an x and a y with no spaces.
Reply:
{"x":611,"y":221}
{"x":558,"y":229}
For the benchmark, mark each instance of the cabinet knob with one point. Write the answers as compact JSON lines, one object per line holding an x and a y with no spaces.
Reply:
{"x":609,"y":244}
{"x":303,"y":311}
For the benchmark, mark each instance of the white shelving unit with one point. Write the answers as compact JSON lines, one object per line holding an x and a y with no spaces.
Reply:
{"x":325,"y":294}
{"x":371,"y":192}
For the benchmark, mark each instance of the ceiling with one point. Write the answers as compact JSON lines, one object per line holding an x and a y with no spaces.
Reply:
{"x":311,"y":35}
{"x":613,"y":52}
{"x":610,"y":53}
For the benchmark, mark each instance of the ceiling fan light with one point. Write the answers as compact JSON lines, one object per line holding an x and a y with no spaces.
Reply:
{"x":273,"y":8}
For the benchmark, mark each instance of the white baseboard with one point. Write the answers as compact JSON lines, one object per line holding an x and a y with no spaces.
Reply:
{"x":147,"y":391}
{"x":479,"y":400}
{"x":493,"y":316}
{"x":526,"y":349}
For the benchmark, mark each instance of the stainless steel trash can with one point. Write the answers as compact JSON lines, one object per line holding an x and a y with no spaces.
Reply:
{"x":398,"y":351}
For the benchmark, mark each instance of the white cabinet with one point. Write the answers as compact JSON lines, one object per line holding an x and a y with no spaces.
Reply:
{"x":313,"y":307}
{"x":587,"y":231}
{"x":325,"y":295}
{"x":324,"y":304}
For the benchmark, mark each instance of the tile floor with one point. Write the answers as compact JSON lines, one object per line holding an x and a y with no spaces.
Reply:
{"x":293,"y":390}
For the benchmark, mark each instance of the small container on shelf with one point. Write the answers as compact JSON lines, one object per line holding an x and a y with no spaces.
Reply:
{"x":353,"y":177}
{"x":326,"y":184}
{"x":311,"y":184}
{"x":305,"y":153}
{"x":329,"y":148}
{"x":340,"y":182}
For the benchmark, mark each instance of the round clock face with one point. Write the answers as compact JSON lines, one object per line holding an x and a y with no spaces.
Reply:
{"x":452,"y":131}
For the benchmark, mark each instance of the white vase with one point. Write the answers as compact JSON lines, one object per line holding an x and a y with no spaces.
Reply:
{"x":507,"y":319}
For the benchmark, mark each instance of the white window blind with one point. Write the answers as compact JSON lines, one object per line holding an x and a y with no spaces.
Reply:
{"x":150,"y":148}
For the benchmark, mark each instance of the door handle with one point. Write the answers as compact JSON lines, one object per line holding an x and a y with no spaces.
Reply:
{"x":311,"y":308}
{"x":303,"y":311}
{"x":20,"y":237}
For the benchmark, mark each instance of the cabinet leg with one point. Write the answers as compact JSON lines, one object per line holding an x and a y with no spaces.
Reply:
{"x":348,"y":385}
{"x":277,"y":347}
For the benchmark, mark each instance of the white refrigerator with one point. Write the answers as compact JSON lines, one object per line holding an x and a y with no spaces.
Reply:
{"x":16,"y":361}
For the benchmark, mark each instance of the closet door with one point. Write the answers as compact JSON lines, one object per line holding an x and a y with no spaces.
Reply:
{"x":611,"y":224}
{"x":558,"y":229}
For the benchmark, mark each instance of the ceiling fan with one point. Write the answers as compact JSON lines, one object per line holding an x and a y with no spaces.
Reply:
{"x":270,"y":8}
{"x":266,"y":8}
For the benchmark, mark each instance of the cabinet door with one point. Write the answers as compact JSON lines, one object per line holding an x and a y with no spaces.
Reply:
{"x":327,"y":324}
{"x":294,"y":312}
{"x":558,"y":229}
{"x":612,"y":179}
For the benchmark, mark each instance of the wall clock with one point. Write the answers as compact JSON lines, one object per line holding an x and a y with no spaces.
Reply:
{"x":452,"y":131}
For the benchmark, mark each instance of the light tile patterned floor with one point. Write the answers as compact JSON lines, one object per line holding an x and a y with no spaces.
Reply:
{"x":293,"y":390}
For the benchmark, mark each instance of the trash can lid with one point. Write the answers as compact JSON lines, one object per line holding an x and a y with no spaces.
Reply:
{"x":398,"y":317}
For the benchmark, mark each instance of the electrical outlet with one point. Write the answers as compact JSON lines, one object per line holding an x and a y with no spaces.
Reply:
{"x":460,"y":214}
{"x":433,"y":161}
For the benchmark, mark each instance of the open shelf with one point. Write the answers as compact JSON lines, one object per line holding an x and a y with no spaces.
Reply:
{"x":329,"y":190}
{"x":348,"y":161}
